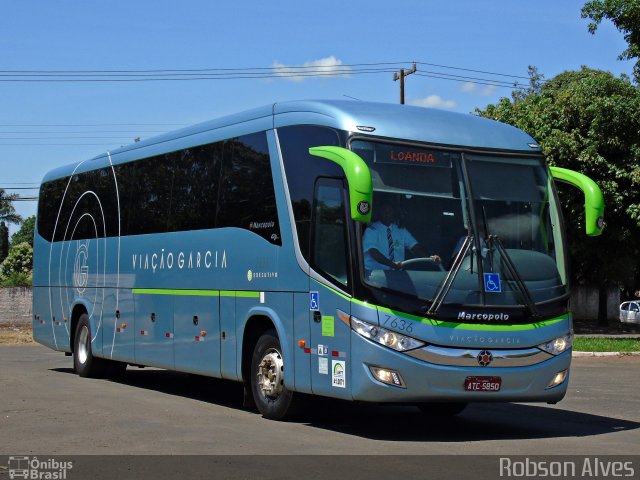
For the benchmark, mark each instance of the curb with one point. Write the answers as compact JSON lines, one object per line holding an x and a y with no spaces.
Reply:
{"x":605,"y":354}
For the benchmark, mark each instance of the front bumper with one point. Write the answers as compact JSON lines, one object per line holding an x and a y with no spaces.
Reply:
{"x":425,"y":381}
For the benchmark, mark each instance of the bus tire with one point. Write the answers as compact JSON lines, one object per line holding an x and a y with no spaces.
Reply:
{"x":272,"y":398}
{"x":441,"y":409}
{"x":84,"y":363}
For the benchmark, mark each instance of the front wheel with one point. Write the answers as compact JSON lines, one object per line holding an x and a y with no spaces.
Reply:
{"x":272,"y":398}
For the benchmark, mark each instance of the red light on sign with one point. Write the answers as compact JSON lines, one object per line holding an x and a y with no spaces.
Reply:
{"x":412,"y":157}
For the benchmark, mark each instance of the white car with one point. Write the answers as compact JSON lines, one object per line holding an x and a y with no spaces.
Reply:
{"x":630,"y":312}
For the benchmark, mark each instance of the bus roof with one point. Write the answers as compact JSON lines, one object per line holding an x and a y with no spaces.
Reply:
{"x":365,"y":118}
{"x":406,"y":122}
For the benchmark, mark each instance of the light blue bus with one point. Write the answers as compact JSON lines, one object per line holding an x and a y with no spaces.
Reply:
{"x":361,"y":251}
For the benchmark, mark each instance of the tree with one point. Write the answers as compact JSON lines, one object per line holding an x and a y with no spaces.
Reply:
{"x":625,"y":15}
{"x":25,"y":233}
{"x":535,"y":85}
{"x":7,"y":215}
{"x":4,"y":241}
{"x":7,"y":212}
{"x":589,"y":121}
{"x":16,"y":268}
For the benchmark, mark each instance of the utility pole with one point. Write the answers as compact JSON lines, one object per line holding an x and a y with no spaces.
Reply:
{"x":400,"y":76}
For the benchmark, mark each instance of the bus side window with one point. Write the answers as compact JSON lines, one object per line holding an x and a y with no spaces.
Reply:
{"x":246,"y":194}
{"x":329,"y":240}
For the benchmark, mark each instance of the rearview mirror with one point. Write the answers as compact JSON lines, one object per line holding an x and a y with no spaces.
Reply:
{"x":593,"y":199}
{"x":358,"y":177}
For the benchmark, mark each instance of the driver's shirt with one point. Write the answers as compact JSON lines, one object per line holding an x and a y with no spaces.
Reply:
{"x":375,"y":236}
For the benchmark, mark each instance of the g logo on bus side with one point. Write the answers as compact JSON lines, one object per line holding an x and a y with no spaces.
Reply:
{"x":81,"y":268}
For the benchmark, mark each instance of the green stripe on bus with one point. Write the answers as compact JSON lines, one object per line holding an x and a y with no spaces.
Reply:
{"x":449,"y":323}
{"x":165,"y":291}
{"x":245,"y":294}
{"x":337,"y":292}
{"x":195,"y":293}
{"x":475,"y":326}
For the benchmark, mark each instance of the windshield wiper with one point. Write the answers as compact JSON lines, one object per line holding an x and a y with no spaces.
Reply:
{"x":513,"y":273}
{"x":451,"y":276}
{"x":492,"y":240}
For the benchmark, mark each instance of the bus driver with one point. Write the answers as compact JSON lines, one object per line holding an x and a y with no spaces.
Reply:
{"x":384,"y":243}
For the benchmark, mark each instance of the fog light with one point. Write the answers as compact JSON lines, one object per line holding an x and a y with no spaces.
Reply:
{"x":390,"y":377}
{"x":558,"y":378}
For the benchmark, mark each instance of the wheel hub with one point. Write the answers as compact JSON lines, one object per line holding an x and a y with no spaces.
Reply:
{"x":83,"y":345}
{"x":270,"y":374}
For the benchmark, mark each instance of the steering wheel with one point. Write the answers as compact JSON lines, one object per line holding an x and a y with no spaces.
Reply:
{"x":413,"y":261}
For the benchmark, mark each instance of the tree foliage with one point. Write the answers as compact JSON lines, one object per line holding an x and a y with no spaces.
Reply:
{"x":4,"y":241}
{"x":25,"y":233}
{"x":16,"y":268}
{"x":625,"y":15}
{"x":7,"y":211}
{"x":589,"y":121}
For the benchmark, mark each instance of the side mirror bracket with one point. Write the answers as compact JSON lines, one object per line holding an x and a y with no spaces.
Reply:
{"x":358,"y":177}
{"x":593,"y":198}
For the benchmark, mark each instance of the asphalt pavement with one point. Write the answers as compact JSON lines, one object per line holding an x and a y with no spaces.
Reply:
{"x":46,"y":408}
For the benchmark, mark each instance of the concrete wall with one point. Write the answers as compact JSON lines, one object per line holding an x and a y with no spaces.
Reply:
{"x":15,"y":305}
{"x":584,"y":302}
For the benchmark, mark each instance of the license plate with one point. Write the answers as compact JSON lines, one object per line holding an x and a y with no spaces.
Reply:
{"x":482,"y":384}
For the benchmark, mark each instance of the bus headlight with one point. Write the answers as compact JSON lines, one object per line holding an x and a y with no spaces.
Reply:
{"x":557,"y":345}
{"x":384,"y":337}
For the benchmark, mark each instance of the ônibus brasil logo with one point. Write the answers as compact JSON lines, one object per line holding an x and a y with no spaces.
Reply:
{"x":33,"y":468}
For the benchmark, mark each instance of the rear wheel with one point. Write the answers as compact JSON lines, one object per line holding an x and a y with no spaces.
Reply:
{"x":440,"y":409}
{"x":272,"y":398}
{"x":84,"y":363}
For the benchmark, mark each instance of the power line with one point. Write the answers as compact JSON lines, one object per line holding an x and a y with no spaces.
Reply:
{"x":474,"y":71}
{"x":467,"y":78}
{"x":476,"y":82}
{"x":275,"y":71}
{"x":76,"y":132}
{"x":64,"y":138}
{"x":258,"y":69}
{"x":57,"y":144}
{"x":94,"y":125}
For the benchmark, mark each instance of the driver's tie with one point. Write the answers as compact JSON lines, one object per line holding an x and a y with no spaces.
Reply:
{"x":390,"y":241}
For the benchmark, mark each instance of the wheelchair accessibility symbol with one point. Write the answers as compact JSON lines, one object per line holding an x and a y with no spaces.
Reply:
{"x":314,"y":301}
{"x":492,"y":283}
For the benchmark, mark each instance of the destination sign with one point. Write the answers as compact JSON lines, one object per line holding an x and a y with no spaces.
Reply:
{"x":412,"y":156}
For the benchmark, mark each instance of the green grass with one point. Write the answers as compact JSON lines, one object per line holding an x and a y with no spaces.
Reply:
{"x":583,"y":344}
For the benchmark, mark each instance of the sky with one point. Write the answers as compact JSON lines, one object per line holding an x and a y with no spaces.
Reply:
{"x":183,"y":59}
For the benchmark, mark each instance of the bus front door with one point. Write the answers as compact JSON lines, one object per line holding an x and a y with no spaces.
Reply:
{"x":330,"y":334}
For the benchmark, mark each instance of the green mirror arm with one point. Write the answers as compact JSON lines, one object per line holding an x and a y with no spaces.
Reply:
{"x":358,"y":177}
{"x":593,"y":199}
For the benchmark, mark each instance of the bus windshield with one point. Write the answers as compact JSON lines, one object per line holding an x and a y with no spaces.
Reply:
{"x":461,"y":229}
